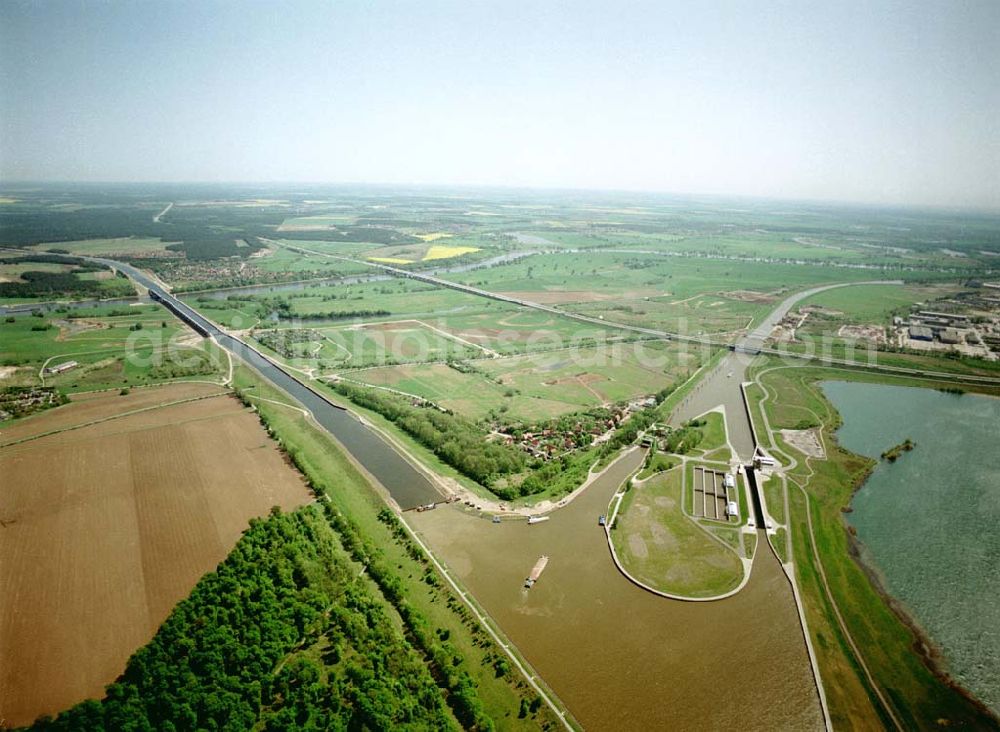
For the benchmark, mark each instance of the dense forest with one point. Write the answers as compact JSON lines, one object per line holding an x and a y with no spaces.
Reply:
{"x":285,"y":634}
{"x":43,"y":283}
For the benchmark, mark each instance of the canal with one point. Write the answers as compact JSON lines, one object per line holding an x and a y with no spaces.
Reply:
{"x":721,"y":386}
{"x":620,"y":657}
{"x":404,"y":482}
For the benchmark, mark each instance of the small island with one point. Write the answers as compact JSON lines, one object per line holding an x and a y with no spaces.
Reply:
{"x":893,"y":453}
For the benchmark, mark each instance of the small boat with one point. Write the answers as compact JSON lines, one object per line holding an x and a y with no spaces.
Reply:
{"x":537,"y":519}
{"x":602,"y":520}
{"x":496,"y":519}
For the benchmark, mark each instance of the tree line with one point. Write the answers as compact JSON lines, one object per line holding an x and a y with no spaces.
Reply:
{"x":456,"y":441}
{"x":285,"y":634}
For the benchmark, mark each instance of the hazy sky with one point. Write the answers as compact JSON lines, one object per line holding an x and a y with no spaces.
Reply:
{"x":868,"y":101}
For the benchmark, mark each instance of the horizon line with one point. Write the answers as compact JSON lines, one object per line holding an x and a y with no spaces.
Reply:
{"x":955,"y":208}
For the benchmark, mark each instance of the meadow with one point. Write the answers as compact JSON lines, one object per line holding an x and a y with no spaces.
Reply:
{"x":661,"y":547}
{"x":877,"y":303}
{"x":114,"y":346}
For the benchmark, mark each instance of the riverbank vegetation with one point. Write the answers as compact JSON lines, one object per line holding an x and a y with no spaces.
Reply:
{"x":436,"y":619}
{"x":456,"y":441}
{"x":834,"y":585}
{"x":893,"y":453}
{"x":507,"y":471}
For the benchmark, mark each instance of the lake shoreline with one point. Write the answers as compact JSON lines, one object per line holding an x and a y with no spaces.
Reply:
{"x":924,"y":646}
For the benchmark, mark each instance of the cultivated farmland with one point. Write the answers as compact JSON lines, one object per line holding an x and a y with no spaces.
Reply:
{"x":106,"y":527}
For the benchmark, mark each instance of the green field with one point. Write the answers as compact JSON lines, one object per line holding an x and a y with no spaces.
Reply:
{"x":663,"y":548}
{"x":875,"y":303}
{"x":713,"y":431}
{"x":592,"y":376}
{"x":109,"y":345}
{"x":124,"y":246}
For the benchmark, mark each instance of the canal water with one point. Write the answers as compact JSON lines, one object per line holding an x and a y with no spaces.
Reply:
{"x":722,"y":385}
{"x":622,"y":658}
{"x":930,"y":522}
{"x":407,"y":485}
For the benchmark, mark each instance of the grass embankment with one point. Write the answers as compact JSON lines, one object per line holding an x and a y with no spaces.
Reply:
{"x":413,"y":584}
{"x":713,"y":431}
{"x":919,"y":697}
{"x":656,"y":462}
{"x":677,"y":396}
{"x":941,"y":362}
{"x":774,"y":497}
{"x":661,"y":547}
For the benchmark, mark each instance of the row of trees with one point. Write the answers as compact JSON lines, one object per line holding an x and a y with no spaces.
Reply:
{"x":456,"y":441}
{"x":505,"y":470}
{"x":447,"y":665}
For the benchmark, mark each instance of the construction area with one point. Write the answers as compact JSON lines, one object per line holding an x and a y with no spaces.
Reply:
{"x":714,"y":495}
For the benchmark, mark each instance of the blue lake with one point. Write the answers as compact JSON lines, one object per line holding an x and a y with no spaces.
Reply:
{"x":930,"y":522}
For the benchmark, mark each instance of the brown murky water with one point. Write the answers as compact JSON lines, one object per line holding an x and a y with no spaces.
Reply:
{"x":622,"y":658}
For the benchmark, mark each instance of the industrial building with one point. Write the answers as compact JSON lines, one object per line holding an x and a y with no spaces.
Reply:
{"x":61,"y":367}
{"x":950,"y":335}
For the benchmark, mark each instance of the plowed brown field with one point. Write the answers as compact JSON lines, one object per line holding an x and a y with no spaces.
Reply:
{"x":103,"y":529}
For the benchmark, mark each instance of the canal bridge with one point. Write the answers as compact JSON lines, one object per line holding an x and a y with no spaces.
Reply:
{"x":407,"y":484}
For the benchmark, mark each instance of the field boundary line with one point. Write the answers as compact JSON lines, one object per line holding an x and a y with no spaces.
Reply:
{"x":110,"y":418}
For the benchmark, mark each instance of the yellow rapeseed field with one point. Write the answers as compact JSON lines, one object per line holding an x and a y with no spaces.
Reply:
{"x":440,"y":251}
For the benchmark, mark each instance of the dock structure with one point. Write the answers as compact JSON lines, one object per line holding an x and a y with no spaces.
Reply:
{"x":536,"y":571}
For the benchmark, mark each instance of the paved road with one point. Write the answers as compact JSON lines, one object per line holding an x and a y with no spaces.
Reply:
{"x":156,"y":219}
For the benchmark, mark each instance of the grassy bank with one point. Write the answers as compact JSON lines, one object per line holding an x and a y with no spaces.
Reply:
{"x":505,"y":697}
{"x":661,"y":547}
{"x":906,"y":687}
